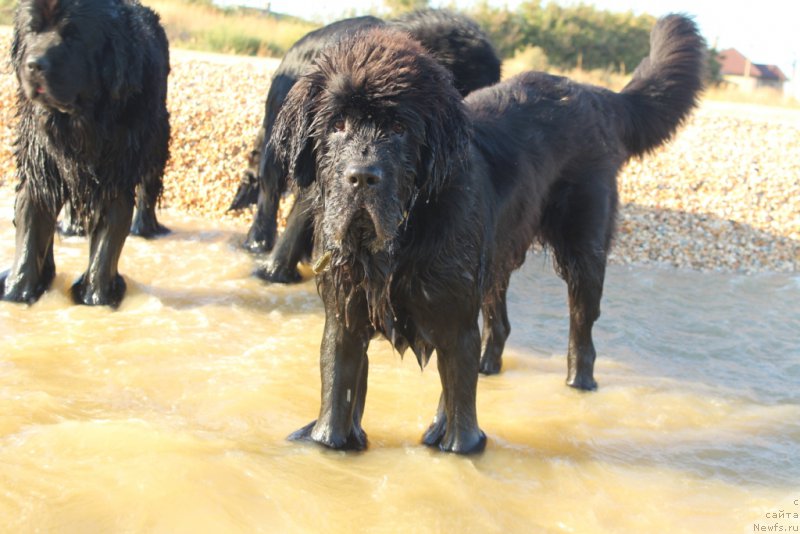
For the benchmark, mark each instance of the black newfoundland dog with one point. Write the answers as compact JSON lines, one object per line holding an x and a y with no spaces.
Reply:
{"x":93,"y":125}
{"x":424,"y":204}
{"x":454,"y":40}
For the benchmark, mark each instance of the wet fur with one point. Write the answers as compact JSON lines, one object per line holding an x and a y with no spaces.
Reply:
{"x":454,"y":40}
{"x":533,"y":158}
{"x":93,"y":126}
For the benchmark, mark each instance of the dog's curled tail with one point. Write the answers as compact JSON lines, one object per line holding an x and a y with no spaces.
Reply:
{"x":665,"y":86}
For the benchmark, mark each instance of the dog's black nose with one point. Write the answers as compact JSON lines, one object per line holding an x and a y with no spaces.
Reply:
{"x":361,"y":176}
{"x":37,"y":64}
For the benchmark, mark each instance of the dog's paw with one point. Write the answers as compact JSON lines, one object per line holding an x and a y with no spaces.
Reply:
{"x":247,"y":193}
{"x":433,"y":436}
{"x":356,"y":440}
{"x":582,"y":382}
{"x":261,"y":236}
{"x":258,"y":246}
{"x":90,"y":295}
{"x":490,"y":365}
{"x":148,"y":227}
{"x":278,"y":274}
{"x":469,"y":441}
{"x":22,"y":291}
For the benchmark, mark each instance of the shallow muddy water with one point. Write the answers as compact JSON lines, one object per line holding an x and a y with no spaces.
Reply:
{"x":170,"y":414}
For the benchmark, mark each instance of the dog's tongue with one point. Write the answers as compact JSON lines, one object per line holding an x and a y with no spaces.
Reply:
{"x":39,"y":89}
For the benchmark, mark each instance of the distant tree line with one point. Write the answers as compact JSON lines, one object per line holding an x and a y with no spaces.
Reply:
{"x":573,"y":36}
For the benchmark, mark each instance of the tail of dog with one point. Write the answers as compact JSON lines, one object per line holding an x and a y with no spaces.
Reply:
{"x":665,"y":86}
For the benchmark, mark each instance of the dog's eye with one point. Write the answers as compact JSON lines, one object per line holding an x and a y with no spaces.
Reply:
{"x":338,"y":125}
{"x":398,"y":128}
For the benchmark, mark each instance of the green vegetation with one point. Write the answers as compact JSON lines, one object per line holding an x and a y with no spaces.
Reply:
{"x":577,"y":36}
{"x":536,"y":35}
{"x":564,"y":37}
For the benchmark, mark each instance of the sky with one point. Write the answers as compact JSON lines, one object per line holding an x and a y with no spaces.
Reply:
{"x":765,"y":31}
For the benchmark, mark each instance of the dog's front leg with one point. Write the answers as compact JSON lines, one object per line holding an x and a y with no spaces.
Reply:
{"x":455,"y":428}
{"x":262,"y":233}
{"x":101,"y":284}
{"x":34,"y":267}
{"x":293,"y":244}
{"x":343,"y":369}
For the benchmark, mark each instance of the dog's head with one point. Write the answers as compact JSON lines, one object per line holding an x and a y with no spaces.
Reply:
{"x":376,"y":125}
{"x":70,"y":53}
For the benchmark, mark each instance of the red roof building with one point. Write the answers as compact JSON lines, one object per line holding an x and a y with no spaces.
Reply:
{"x":737,"y":69}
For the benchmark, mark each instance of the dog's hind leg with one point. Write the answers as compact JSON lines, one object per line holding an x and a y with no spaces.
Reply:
{"x":34,"y":266}
{"x":343,"y":369}
{"x":292,"y":246}
{"x":496,"y":329}
{"x":145,"y":224}
{"x":455,"y":427}
{"x":247,"y":193}
{"x":585,"y":288}
{"x":148,"y":191}
{"x":102,"y":284}
{"x":580,"y":234}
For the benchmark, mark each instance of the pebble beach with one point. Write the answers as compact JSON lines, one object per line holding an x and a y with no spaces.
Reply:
{"x":724,"y":195}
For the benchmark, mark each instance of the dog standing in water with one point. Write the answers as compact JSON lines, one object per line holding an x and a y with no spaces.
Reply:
{"x":453,"y":39}
{"x":93,"y":125}
{"x":425,"y":204}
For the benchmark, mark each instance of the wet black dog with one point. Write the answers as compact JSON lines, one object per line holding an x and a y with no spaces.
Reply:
{"x":453,"y":39}
{"x":424,"y":206}
{"x":93,"y":125}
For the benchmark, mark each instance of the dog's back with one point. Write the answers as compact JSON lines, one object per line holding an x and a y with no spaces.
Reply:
{"x":537,"y":129}
{"x":553,"y":148}
{"x":457,"y":43}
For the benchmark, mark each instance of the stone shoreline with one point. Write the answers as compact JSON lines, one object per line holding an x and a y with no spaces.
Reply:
{"x":723,"y":195}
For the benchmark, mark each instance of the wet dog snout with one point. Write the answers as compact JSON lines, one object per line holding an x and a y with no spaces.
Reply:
{"x":37,"y":64}
{"x":362,"y":176}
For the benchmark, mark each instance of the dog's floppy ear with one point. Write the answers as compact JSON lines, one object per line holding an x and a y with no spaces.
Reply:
{"x":292,"y":142}
{"x":122,"y":64}
{"x":446,"y":141}
{"x":16,"y":45}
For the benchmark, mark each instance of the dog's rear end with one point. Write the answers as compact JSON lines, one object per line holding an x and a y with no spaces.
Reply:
{"x":555,"y":148}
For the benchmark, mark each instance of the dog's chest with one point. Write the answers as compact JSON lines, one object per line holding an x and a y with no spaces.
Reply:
{"x":409,"y":325}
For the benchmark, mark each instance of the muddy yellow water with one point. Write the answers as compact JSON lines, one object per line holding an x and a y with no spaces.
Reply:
{"x":170,"y":414}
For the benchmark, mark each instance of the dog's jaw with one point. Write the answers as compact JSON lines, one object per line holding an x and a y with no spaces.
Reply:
{"x":38,"y":91}
{"x":356,"y":228}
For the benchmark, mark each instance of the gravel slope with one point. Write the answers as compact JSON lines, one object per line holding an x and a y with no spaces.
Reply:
{"x":724,"y":195}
